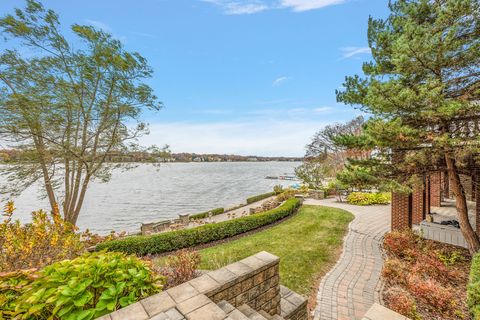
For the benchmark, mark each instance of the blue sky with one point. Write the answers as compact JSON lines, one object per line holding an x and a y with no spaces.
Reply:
{"x":245,"y":77}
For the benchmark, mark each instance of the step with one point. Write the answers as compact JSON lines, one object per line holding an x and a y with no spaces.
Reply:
{"x":250,"y":313}
{"x":265,"y":314}
{"x":269,"y":316}
{"x":233,"y":314}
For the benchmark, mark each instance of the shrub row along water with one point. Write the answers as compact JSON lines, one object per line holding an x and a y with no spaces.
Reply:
{"x":260,"y":197}
{"x":170,"y":241}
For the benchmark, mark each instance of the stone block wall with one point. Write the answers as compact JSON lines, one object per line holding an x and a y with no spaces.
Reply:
{"x":253,"y":281}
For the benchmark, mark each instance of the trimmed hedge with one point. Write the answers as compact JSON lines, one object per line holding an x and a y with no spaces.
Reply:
{"x":473,"y":288}
{"x":260,"y":197}
{"x":185,"y":238}
{"x":204,"y":215}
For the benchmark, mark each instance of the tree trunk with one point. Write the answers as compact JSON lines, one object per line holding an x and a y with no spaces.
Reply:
{"x":461,"y":205}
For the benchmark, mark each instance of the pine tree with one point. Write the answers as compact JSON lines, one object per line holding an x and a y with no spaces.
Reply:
{"x":422,"y":90}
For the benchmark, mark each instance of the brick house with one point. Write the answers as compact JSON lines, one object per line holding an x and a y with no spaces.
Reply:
{"x":411,"y":210}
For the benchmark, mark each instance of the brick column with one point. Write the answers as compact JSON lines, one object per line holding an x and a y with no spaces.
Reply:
{"x":401,"y":211}
{"x":446,"y":185}
{"x":435,"y":189}
{"x":418,"y":209}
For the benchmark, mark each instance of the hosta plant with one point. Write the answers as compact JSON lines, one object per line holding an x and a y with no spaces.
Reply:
{"x":87,"y":287}
{"x":12,"y":285}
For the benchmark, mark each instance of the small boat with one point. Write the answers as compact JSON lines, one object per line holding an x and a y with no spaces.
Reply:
{"x":287,"y":177}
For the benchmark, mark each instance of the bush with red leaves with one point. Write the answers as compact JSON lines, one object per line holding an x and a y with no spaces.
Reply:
{"x":180,"y":267}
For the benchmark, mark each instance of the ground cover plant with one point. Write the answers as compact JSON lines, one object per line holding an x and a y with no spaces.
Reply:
{"x":308,"y":245}
{"x":87,"y":287}
{"x":369,"y":198}
{"x":186,"y":238}
{"x":425,"y":279}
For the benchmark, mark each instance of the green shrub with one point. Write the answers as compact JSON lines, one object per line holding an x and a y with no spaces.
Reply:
{"x":87,"y":287}
{"x":473,"y":288}
{"x":260,"y":197}
{"x":185,"y":238}
{"x":366,"y":199}
{"x":286,"y":194}
{"x":204,"y":215}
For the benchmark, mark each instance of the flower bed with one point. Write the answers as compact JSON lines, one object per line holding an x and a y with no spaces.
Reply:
{"x":425,"y":279}
{"x":170,"y":241}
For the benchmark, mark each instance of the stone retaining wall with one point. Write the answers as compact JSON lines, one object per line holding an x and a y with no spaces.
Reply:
{"x":253,"y":281}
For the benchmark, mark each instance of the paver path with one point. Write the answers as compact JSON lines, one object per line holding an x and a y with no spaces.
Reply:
{"x":353,"y":285}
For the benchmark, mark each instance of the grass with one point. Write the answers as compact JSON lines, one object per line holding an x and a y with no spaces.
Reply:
{"x":308,"y":245}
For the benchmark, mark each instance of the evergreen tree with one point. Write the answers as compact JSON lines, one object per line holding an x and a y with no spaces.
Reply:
{"x":422,"y":90}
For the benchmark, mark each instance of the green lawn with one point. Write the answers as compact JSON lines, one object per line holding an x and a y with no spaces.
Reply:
{"x":308,"y":245}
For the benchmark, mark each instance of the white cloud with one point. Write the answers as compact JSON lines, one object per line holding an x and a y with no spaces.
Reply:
{"x":305,"y":5}
{"x":279,"y":81}
{"x":349,"y":52}
{"x":259,"y":137}
{"x":237,"y":7}
{"x":234,"y":7}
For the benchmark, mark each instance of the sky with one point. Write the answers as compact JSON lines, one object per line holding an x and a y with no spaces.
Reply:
{"x":251,"y":77}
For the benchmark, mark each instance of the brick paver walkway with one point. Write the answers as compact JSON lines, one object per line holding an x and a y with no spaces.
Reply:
{"x":353,"y":285}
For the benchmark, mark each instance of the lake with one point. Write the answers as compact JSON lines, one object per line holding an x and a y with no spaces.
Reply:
{"x":150,"y":193}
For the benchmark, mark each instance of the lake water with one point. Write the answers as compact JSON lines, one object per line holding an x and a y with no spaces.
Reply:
{"x":149,"y":193}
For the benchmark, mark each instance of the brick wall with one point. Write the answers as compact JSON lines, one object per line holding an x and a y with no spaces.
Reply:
{"x":436,"y":189}
{"x":467,"y":184}
{"x":401,"y":211}
{"x":417,"y":204}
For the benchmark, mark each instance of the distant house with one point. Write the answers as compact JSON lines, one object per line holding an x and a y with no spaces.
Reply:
{"x":252,"y":159}
{"x":197,"y":159}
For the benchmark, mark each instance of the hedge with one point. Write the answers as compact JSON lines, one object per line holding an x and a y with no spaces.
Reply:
{"x":366,"y":199}
{"x":260,"y":197}
{"x":473,"y":288}
{"x":174,"y":240}
{"x":204,"y":215}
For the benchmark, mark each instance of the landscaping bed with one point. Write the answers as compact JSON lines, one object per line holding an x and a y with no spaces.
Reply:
{"x":425,"y":279}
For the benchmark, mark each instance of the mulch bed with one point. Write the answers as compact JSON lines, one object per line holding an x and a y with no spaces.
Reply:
{"x":425,"y":279}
